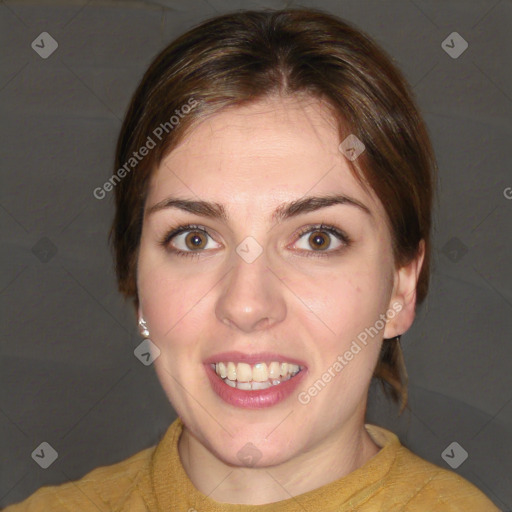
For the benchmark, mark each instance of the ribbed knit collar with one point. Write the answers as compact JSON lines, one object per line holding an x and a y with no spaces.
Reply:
{"x":167,"y":487}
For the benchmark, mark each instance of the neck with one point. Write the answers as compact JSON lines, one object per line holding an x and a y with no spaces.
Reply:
{"x":344,"y":451}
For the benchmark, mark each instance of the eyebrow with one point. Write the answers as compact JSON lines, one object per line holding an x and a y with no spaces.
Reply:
{"x":284,"y":211}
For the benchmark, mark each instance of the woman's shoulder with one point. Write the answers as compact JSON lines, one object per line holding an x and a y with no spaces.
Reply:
{"x":436,"y":489}
{"x":103,"y":488}
{"x":415,"y":484}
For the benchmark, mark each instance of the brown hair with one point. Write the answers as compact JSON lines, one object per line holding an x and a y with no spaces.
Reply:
{"x":238,"y":58}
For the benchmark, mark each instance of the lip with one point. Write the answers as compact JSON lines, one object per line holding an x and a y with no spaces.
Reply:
{"x":254,"y":398}
{"x":260,"y":357}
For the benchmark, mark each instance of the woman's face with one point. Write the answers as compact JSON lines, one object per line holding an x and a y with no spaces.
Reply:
{"x":267,"y":288}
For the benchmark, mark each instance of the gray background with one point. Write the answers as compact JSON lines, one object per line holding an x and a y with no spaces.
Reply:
{"x":68,"y":373}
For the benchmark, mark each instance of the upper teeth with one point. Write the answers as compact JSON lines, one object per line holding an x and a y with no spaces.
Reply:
{"x":259,"y":372}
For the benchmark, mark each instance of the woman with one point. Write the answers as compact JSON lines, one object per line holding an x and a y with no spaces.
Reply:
{"x":274,"y":185}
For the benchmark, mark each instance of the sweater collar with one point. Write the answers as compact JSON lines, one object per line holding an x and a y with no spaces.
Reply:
{"x":168,"y":487}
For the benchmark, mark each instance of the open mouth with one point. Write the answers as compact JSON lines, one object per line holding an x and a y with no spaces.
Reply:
{"x":257,"y":376}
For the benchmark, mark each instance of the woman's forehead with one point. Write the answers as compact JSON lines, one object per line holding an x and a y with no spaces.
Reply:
{"x":283,"y":144}
{"x":266,"y":127}
{"x":265,"y":153}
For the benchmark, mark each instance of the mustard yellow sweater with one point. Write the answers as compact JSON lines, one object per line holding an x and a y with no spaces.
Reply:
{"x":394,"y":480}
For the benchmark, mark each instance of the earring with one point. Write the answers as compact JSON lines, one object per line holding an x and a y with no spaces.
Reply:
{"x":143,"y":328}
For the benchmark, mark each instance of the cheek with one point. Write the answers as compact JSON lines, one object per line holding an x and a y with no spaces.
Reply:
{"x":346,"y":300}
{"x":172,"y":304}
{"x":346,"y":305}
{"x":349,"y":307}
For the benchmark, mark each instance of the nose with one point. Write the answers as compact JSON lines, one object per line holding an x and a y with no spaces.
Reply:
{"x":252,"y":296}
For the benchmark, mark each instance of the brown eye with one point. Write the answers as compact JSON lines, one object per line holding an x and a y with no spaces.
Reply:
{"x":323,"y":240}
{"x":188,"y":240}
{"x":195,"y":240}
{"x":319,"y":240}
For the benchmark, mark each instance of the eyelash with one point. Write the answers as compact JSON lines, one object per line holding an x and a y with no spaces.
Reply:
{"x":343,"y":237}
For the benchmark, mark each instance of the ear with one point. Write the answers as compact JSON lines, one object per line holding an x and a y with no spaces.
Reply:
{"x":403,"y":297}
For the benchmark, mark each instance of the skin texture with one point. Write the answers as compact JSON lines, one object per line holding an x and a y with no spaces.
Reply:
{"x":252,"y":159}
